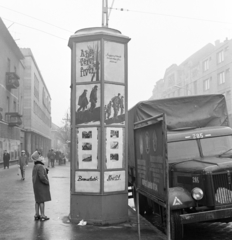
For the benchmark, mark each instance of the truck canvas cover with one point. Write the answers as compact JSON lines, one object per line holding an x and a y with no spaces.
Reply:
{"x":181,"y":112}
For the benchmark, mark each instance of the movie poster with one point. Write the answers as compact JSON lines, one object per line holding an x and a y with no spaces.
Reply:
{"x":88,"y":61}
{"x":114,"y":62}
{"x":114,"y":108}
{"x":87,"y":182}
{"x":87,"y":148}
{"x":88,"y":102}
{"x":114,"y":181}
{"x":115,"y":148}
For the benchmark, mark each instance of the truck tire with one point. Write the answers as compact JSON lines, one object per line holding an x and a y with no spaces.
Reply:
{"x":176,"y":226}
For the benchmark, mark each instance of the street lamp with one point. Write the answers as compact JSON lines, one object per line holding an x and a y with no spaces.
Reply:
{"x":188,"y":91}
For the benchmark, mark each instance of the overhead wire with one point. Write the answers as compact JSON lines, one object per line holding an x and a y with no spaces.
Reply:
{"x":35,"y":29}
{"x":169,"y":15}
{"x":36,"y":19}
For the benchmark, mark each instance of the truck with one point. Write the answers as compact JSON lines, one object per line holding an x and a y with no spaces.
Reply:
{"x":199,"y":152}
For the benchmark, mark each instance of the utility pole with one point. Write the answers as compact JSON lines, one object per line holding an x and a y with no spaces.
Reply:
{"x":104,"y":13}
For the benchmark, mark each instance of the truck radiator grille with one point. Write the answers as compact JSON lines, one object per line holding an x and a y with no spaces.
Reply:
{"x":223,"y":187}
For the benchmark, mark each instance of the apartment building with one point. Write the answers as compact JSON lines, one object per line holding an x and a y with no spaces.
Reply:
{"x":25,"y":102}
{"x":11,"y":93}
{"x":207,"y":71}
{"x":37,"y":106}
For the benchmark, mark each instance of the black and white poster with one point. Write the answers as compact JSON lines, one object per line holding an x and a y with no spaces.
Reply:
{"x":87,"y":148}
{"x":114,"y":108}
{"x":114,"y":62}
{"x":114,"y":148}
{"x":88,"y":65}
{"x":88,"y":104}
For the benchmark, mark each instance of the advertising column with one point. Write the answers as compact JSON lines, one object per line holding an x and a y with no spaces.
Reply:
{"x":99,"y":130}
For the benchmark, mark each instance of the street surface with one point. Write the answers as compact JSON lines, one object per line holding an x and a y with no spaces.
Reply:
{"x":17,"y":212}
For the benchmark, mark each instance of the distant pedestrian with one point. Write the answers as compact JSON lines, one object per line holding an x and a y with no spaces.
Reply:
{"x":41,"y":186}
{"x":108,"y":110}
{"x":6,"y":159}
{"x":23,"y":162}
{"x":48,"y":157}
{"x":52,"y":158}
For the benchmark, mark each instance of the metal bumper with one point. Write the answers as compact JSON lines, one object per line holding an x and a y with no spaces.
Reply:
{"x":206,"y":216}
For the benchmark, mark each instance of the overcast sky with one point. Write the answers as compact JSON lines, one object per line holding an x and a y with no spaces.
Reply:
{"x":162,"y":32}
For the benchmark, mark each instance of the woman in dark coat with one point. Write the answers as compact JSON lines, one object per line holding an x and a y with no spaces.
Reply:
{"x":40,"y":185}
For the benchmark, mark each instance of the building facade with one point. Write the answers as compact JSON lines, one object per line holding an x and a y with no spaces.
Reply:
{"x":11,"y":92}
{"x":208,"y":71}
{"x":37,"y":107}
{"x":25,"y":102}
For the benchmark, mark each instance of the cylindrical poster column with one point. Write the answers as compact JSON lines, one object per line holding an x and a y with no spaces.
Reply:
{"x":99,"y":126}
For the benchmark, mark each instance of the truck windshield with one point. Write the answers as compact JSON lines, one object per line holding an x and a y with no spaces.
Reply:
{"x":216,"y":146}
{"x":183,"y":150}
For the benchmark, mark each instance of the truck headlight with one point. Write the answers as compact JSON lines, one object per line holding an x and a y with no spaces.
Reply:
{"x":197,"y":193}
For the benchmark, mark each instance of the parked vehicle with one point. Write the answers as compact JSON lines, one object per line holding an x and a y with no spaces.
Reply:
{"x":199,"y":150}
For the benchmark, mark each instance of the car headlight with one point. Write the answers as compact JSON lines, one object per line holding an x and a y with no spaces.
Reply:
{"x":197,"y":193}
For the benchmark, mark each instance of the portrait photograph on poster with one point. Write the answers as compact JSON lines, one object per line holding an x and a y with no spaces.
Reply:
{"x":114,"y":147}
{"x":88,"y":61}
{"x":114,"y":104}
{"x":88,"y":104}
{"x":114,"y":62}
{"x":87,"y":148}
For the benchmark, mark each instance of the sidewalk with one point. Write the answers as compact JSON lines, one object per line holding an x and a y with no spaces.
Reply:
{"x":17,"y":212}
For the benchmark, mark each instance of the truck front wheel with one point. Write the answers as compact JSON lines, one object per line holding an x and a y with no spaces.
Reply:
{"x":176,"y":226}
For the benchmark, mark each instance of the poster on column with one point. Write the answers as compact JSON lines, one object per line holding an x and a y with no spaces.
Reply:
{"x":87,"y":182}
{"x":115,"y":148}
{"x":114,"y":108}
{"x":114,"y":181}
{"x":88,"y":102}
{"x":88,"y":61}
{"x":114,"y":62}
{"x":87,"y":148}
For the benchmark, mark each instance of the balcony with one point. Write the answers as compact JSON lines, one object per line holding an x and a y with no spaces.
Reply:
{"x":13,"y":119}
{"x":12,"y":80}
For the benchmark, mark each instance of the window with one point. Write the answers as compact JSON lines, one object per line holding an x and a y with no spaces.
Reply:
{"x":36,"y":87}
{"x":8,"y":104}
{"x":220,"y":56}
{"x":14,"y":106}
{"x":221,"y":78}
{"x":206,"y":65}
{"x":8,"y":65}
{"x":206,"y":84}
{"x":195,"y":87}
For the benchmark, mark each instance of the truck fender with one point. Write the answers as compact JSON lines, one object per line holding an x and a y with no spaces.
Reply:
{"x":180,"y":198}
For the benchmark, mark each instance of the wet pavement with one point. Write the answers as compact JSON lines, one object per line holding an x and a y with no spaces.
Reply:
{"x":17,"y":212}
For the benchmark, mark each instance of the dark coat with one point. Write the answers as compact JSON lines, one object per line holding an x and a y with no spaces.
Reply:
{"x":41,"y":183}
{"x":6,"y":156}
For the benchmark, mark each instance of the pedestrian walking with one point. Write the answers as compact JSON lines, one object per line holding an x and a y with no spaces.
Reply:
{"x":41,"y":186}
{"x":48,"y":157}
{"x":52,"y":158}
{"x":6,"y":159}
{"x":23,"y":163}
